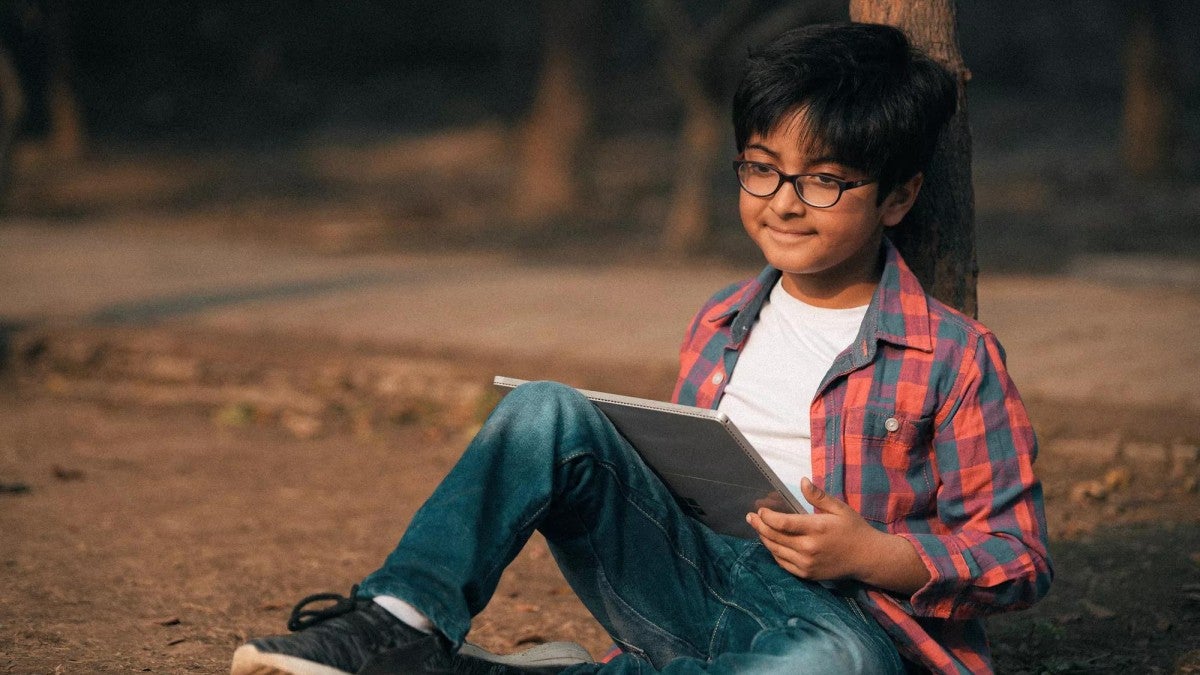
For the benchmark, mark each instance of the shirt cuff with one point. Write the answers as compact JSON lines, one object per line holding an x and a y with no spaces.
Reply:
{"x":950,"y":567}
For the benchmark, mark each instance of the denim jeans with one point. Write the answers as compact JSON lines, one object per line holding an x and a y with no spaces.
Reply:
{"x":676,"y":596}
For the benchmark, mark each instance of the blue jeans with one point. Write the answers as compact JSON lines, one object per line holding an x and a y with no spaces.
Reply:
{"x":676,"y":596}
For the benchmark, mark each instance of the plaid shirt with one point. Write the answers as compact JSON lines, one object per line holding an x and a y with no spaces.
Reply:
{"x":917,"y":427}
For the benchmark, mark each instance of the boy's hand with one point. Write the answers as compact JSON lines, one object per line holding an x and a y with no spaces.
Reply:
{"x":835,"y":542}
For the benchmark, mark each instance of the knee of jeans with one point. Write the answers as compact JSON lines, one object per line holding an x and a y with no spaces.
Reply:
{"x":824,"y":647}
{"x":536,"y":409}
{"x":545,"y":398}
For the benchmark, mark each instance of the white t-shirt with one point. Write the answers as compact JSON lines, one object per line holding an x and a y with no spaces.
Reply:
{"x":788,"y":353}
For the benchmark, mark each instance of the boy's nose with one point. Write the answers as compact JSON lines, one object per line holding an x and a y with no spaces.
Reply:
{"x":787,"y":201}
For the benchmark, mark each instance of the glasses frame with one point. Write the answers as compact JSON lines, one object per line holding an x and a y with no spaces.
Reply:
{"x":794,"y":179}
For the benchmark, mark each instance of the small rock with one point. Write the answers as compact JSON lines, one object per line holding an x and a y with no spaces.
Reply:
{"x":173,"y":368}
{"x":14,"y":489}
{"x":300,"y":425}
{"x":65,"y":474}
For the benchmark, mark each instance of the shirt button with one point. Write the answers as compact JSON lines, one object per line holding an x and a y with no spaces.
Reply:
{"x":718,"y":378}
{"x":891,"y":424}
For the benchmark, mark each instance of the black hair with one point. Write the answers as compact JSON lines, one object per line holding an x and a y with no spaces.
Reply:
{"x":870,"y":99}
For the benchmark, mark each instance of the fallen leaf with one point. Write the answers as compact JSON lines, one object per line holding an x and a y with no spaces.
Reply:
{"x":1118,"y":478}
{"x":1097,"y":611}
{"x":234,"y":415}
{"x":1088,"y":490}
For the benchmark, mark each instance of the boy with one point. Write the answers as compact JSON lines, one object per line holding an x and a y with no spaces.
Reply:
{"x":833,"y":362}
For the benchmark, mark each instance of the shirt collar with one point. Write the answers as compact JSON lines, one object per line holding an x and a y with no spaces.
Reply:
{"x":898,"y":313}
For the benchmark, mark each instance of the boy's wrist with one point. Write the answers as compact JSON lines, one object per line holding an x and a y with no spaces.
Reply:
{"x":892,"y":563}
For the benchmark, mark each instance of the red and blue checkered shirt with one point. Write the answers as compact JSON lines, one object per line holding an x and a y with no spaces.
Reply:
{"x":918,"y":427}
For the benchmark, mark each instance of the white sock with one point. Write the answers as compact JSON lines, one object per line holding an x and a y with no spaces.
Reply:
{"x":405,"y":612}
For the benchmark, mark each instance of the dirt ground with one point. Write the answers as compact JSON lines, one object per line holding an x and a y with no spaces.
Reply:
{"x":156,"y":533}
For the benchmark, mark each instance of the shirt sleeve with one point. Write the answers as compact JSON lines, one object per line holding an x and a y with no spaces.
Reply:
{"x":991,"y":555}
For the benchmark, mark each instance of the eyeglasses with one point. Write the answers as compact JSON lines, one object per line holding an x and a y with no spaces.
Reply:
{"x":815,"y":189}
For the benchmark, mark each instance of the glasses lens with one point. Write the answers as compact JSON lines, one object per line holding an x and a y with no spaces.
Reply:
{"x":759,"y":180}
{"x":818,"y":191}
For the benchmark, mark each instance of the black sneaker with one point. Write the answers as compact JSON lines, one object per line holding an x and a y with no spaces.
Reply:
{"x":341,"y":639}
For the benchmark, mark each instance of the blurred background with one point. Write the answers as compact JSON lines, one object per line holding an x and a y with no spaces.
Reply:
{"x":576,"y":127}
{"x":260,"y":259}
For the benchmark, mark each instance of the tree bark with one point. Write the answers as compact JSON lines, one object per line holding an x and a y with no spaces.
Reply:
{"x":12,"y":114}
{"x":690,"y":209}
{"x":937,"y":238}
{"x":66,"y":133}
{"x":556,"y":130}
{"x":1147,"y":118}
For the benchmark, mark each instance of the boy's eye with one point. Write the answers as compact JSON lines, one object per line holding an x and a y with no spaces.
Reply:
{"x":824,"y":180}
{"x":759,"y":169}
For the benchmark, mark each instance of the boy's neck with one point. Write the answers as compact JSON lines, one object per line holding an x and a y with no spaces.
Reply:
{"x":855,"y":294}
{"x":836,"y":289}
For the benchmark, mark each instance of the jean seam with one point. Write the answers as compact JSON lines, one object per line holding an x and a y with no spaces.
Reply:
{"x":499,"y":564}
{"x":625,"y":490}
{"x":712,"y":639}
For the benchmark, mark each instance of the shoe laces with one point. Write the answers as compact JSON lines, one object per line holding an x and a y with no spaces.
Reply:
{"x":302,"y":618}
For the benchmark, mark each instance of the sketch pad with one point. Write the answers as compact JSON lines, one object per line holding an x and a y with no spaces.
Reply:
{"x":714,"y":473}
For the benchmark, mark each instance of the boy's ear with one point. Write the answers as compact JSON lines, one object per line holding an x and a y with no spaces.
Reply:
{"x":900,"y":200}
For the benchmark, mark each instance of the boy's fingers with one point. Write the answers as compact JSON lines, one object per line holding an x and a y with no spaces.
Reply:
{"x":785,"y":523}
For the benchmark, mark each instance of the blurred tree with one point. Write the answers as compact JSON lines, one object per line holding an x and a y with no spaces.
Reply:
{"x":37,"y":33}
{"x":700,"y":58}
{"x":1148,"y":110}
{"x":66,"y":135}
{"x":556,"y":131}
{"x":12,"y":112}
{"x":937,"y":238}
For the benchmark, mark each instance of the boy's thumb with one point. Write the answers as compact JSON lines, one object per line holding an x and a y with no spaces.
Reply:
{"x":815,"y":495}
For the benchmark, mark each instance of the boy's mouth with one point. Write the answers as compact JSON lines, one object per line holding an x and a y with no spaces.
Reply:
{"x":789,"y":233}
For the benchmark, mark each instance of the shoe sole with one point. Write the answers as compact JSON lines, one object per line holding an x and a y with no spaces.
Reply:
{"x":248,"y":660}
{"x":555,"y":655}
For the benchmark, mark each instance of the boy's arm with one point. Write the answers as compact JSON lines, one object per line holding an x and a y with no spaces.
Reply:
{"x":988,"y":553}
{"x":991,"y":555}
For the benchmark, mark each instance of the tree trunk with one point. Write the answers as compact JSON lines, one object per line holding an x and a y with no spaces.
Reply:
{"x":1146,"y":118}
{"x":556,"y":130}
{"x":691,"y":206}
{"x":937,"y":238}
{"x":12,"y":113}
{"x":66,"y":136}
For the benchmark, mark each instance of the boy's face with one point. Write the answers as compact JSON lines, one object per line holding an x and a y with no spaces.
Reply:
{"x":827,"y":255}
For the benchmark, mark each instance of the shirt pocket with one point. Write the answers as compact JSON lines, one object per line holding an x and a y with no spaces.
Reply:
{"x":888,"y":466}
